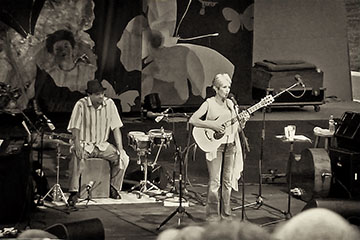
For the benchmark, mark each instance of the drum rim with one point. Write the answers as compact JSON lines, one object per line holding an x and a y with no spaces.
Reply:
{"x":132,"y":133}
{"x":159,"y":132}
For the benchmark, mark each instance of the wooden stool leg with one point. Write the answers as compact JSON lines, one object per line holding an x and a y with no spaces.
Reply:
{"x":326,"y":144}
{"x":316,"y":144}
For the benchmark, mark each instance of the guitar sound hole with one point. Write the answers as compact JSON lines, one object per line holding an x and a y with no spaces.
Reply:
{"x":217,"y":135}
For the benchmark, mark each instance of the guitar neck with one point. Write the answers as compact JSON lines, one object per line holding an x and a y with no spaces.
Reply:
{"x":249,"y":110}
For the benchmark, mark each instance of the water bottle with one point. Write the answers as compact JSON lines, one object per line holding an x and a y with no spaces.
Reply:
{"x":331,"y":124}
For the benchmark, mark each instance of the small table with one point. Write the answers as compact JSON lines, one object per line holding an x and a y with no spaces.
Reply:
{"x":298,"y":139}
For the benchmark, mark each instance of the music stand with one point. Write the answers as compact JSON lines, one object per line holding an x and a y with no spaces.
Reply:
{"x":180,"y":209}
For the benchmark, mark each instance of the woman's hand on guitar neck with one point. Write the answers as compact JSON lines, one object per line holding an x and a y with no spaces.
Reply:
{"x":245,"y":116}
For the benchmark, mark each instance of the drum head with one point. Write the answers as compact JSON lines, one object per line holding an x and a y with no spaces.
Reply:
{"x":159,"y":132}
{"x":136,"y":133}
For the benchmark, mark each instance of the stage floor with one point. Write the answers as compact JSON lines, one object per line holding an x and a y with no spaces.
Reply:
{"x":140,"y":220}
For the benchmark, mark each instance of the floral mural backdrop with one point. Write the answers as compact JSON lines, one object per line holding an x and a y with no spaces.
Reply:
{"x":169,"y":47}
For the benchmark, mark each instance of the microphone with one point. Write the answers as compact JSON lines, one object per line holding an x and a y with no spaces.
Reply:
{"x":232,"y":98}
{"x":299,"y":80}
{"x":49,"y":123}
{"x":90,"y":185}
{"x":162,"y":115}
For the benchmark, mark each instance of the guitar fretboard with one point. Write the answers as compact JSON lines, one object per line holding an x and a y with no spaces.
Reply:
{"x":264,"y":102}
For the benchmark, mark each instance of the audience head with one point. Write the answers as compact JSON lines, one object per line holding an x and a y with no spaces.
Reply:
{"x":316,"y":223}
{"x":235,"y":230}
{"x":186,"y":233}
{"x":36,"y":234}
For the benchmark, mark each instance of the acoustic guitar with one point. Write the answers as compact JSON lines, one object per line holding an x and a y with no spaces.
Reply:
{"x":208,"y":140}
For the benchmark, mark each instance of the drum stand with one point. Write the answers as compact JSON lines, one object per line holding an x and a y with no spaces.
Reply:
{"x":143,"y":184}
{"x":57,"y":192}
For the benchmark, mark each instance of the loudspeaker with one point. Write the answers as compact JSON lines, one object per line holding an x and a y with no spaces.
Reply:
{"x":349,"y":209}
{"x":345,"y":165}
{"x":348,"y":132}
{"x":16,"y":186}
{"x":152,"y":102}
{"x":90,"y":229}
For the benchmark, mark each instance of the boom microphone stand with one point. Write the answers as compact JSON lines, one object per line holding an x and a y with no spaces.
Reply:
{"x":259,"y":199}
{"x":259,"y":202}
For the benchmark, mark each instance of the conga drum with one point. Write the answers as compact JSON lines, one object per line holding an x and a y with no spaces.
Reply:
{"x":311,"y":173}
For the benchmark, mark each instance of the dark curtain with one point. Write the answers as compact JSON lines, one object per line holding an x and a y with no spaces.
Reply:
{"x":237,"y":47}
{"x":111,"y":18}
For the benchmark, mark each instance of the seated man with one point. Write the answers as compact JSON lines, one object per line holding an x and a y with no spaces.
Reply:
{"x":91,"y":120}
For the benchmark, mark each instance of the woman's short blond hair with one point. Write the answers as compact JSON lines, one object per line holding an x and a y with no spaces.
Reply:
{"x":219,"y":78}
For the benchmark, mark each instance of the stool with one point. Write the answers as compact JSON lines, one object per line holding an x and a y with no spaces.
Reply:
{"x":97,"y":171}
{"x":327,"y":136}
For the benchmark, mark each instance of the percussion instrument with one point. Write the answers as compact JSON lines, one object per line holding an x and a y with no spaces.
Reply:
{"x":160,"y":137}
{"x":139,"y":141}
{"x":311,"y":173}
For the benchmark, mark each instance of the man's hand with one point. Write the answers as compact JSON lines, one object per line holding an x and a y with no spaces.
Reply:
{"x":79,"y":151}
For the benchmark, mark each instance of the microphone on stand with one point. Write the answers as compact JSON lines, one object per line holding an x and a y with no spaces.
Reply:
{"x":162,"y":115}
{"x":299,"y":80}
{"x":231,"y":96}
{"x":89,"y":185}
{"x":49,"y":123}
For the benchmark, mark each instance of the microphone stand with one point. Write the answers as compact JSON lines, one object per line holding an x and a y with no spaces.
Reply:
{"x":89,"y":195}
{"x":180,"y":209}
{"x":244,"y":145}
{"x":259,"y":202}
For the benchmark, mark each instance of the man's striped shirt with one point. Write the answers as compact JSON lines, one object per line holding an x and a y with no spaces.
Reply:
{"x":94,"y":124}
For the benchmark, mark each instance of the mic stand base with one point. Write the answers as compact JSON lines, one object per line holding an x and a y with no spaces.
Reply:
{"x":180,"y":210}
{"x":87,"y":199}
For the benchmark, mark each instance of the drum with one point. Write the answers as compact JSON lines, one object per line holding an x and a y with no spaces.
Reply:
{"x":132,"y":136}
{"x":160,"y":136}
{"x":142,"y":143}
{"x":312,"y":173}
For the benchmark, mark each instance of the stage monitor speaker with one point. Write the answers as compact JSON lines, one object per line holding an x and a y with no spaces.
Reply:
{"x":90,"y":229}
{"x":348,"y":132}
{"x":349,"y":209}
{"x":345,"y":165}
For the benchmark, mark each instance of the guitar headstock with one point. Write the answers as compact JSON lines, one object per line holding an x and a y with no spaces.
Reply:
{"x":267,"y":100}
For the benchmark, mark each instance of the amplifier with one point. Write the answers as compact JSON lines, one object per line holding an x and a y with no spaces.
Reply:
{"x":348,"y":132}
{"x":345,"y":165}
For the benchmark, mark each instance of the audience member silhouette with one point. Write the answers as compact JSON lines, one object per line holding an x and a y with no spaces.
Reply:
{"x":317,"y":223}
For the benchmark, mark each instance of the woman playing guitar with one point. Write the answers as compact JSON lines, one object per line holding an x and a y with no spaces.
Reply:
{"x":218,"y":136}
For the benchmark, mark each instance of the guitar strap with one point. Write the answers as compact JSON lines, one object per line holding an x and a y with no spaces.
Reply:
{"x":204,"y":117}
